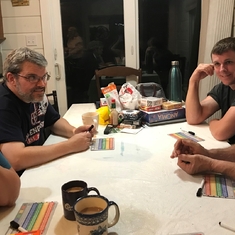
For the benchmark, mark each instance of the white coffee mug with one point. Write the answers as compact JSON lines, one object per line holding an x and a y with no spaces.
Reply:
{"x":91,"y":118}
{"x":91,"y":213}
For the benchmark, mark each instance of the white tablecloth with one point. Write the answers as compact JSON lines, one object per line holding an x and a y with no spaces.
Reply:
{"x":154,"y":195}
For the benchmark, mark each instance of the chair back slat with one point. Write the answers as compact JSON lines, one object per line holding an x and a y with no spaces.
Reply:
{"x":55,"y":101}
{"x":116,"y":71}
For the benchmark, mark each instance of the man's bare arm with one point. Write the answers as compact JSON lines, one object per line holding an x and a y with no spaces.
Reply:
{"x":62,"y":128}
{"x":196,"y":111}
{"x":21,"y":157}
{"x":225,"y":154}
{"x":224,"y":167}
{"x":199,"y":164}
{"x":9,"y":186}
{"x":224,"y":128}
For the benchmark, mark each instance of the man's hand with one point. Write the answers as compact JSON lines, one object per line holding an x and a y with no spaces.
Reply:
{"x":80,"y":142}
{"x":193,"y":164}
{"x":202,"y":71}
{"x":185,"y":146}
{"x":84,"y":128}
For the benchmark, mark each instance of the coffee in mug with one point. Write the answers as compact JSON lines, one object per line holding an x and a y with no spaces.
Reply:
{"x":91,"y":210}
{"x":71,"y":191}
{"x":91,"y":213}
{"x":74,"y":189}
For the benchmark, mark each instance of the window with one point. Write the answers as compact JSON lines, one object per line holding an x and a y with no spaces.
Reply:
{"x":102,"y":39}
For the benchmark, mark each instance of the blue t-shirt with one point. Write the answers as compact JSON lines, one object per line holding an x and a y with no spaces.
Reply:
{"x":3,"y":162}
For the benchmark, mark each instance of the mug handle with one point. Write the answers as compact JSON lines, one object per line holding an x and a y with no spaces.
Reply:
{"x":117,"y":214}
{"x":93,"y":189}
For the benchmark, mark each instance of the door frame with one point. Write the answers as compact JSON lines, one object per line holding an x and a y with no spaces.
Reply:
{"x":53,"y":50}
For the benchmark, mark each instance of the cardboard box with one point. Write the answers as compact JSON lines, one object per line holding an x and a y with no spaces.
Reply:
{"x":103,"y":102}
{"x":150,"y":102}
{"x":150,"y":109}
{"x":171,"y":105}
{"x":163,"y":115}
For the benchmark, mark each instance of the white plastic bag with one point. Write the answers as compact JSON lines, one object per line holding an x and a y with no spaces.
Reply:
{"x":129,"y":96}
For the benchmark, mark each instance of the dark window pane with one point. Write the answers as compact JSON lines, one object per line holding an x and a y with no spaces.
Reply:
{"x":93,"y":37}
{"x":169,"y":30}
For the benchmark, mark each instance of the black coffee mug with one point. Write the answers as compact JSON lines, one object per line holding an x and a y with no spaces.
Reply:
{"x":71,"y":191}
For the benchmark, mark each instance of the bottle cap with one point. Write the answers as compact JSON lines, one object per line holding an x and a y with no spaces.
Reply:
{"x":113,"y":103}
{"x":175,"y":62}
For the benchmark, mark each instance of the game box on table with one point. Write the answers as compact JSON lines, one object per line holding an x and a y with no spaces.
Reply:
{"x":162,"y":115}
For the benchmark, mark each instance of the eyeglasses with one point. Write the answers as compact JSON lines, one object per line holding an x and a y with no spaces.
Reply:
{"x":34,"y":78}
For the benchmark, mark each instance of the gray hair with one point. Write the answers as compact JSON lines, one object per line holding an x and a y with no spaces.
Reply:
{"x":15,"y":59}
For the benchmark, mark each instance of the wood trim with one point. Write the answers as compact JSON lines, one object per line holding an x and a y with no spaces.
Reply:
{"x":2,"y":38}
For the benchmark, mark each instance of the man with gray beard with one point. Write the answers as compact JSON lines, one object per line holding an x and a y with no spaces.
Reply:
{"x":25,"y":112}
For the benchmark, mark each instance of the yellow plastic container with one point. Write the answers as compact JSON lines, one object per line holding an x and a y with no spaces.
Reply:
{"x":103,"y":115}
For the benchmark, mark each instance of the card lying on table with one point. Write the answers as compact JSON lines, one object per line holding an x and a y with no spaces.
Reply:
{"x":102,"y":144}
{"x":34,"y":217}
{"x":186,"y":135}
{"x":219,"y":186}
{"x":188,"y":233}
{"x":28,"y":233}
{"x":131,"y":131}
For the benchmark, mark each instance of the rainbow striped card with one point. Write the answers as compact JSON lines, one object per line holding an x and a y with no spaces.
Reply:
{"x":186,"y":135}
{"x":219,"y":186}
{"x":35,"y":216}
{"x":102,"y":144}
{"x":28,"y":233}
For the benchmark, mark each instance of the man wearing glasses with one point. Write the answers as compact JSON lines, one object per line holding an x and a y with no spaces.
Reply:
{"x":25,"y":112}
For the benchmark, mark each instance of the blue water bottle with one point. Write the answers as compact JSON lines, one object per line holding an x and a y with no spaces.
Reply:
{"x":175,"y":82}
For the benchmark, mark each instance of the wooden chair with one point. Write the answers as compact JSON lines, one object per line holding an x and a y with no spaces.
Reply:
{"x":115,"y":71}
{"x":54,"y":102}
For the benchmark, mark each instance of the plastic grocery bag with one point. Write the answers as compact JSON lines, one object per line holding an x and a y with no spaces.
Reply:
{"x":129,"y":96}
{"x":151,"y":89}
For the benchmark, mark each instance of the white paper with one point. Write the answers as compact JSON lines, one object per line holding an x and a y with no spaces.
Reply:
{"x":131,"y":131}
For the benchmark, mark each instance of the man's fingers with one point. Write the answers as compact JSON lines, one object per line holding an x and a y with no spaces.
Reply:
{"x":184,"y":158}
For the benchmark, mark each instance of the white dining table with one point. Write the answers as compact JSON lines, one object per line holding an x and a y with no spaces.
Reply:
{"x":154,"y":195}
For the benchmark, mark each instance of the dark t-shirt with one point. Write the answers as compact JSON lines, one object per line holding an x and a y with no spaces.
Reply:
{"x":225,"y":97}
{"x":24,"y":122}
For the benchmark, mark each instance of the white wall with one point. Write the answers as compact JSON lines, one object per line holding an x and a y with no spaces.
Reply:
{"x":19,"y":22}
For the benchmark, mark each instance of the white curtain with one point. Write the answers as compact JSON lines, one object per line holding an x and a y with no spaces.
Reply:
{"x":216,"y":23}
